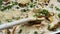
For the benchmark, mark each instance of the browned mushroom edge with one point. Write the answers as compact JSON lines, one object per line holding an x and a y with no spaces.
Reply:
{"x":54,"y":27}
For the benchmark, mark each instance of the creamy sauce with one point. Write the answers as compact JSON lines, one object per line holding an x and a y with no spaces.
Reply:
{"x":30,"y":9}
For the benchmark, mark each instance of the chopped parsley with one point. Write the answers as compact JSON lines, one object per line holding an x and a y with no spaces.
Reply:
{"x":31,"y":0}
{"x":35,"y":32}
{"x":9,"y":20}
{"x":0,"y":4}
{"x":32,"y":5}
{"x":36,"y":0}
{"x":58,"y":0}
{"x":25,"y":9}
{"x":20,"y":31}
{"x":49,"y":26}
{"x":17,"y":7}
{"x":57,"y":8}
{"x":43,"y":12}
{"x":59,"y":15}
{"x":16,"y":18}
{"x":0,"y":21}
{"x":37,"y":14}
{"x":9,"y":6}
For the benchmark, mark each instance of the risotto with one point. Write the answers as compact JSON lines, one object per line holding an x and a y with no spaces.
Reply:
{"x":48,"y":10}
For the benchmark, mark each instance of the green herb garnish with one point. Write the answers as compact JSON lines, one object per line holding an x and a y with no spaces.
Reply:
{"x":24,"y":10}
{"x":59,"y":15}
{"x":36,"y":0}
{"x":9,"y":6}
{"x":45,"y":12}
{"x":9,"y":20}
{"x":37,"y":14}
{"x":35,"y":32}
{"x":58,"y":0}
{"x":57,"y":8}
{"x":0,"y":21}
{"x":31,"y":0}
{"x":17,"y":7}
{"x":32,"y":5}
{"x":16,"y":18}
{"x":20,"y":31}
{"x":1,"y":4}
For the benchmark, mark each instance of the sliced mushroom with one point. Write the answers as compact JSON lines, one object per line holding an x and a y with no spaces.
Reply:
{"x":54,"y":27}
{"x":6,"y":31}
{"x":23,"y":1}
{"x":5,"y":0}
{"x":22,"y":5}
{"x":44,"y":2}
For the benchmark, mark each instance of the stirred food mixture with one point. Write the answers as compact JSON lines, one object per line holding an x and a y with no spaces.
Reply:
{"x":46,"y":10}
